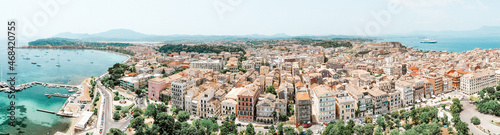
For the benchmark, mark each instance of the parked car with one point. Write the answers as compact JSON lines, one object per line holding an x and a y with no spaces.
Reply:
{"x":239,"y":124}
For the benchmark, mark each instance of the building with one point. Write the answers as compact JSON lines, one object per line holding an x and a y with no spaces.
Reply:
{"x":247,"y":99}
{"x":215,"y":65}
{"x":380,"y":103}
{"x":474,"y":82}
{"x":406,"y":89}
{"x":436,"y":82}
{"x":155,"y":86}
{"x":346,"y":106}
{"x":394,"y":98}
{"x":265,"y":108}
{"x":209,"y":106}
{"x":179,"y":88}
{"x":303,"y":109}
{"x":324,"y":103}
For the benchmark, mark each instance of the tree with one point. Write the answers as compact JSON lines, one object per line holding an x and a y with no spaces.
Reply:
{"x":481,"y":93}
{"x":394,"y":132}
{"x":116,"y":115}
{"x":424,"y":117}
{"x":462,"y":128}
{"x":456,"y":107}
{"x":175,"y":110}
{"x":300,"y":129}
{"x":395,"y":115}
{"x":456,"y":118}
{"x":271,"y":90}
{"x":115,"y":131}
{"x":137,"y":122}
{"x":309,"y":132}
{"x":443,"y":106}
{"x":271,"y":130}
{"x":280,"y":129}
{"x":397,"y":122}
{"x":368,"y":119}
{"x":378,"y":131}
{"x":250,"y":130}
{"x":368,"y":129}
{"x":183,"y":116}
{"x":289,"y":130}
{"x":228,"y":128}
{"x":475,"y":120}
{"x":151,"y":111}
{"x":381,"y":121}
{"x":165,"y":121}
{"x":497,"y":94}
{"x":358,"y":129}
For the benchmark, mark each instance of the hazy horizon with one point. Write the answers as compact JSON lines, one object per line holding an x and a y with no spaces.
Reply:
{"x":47,"y":18}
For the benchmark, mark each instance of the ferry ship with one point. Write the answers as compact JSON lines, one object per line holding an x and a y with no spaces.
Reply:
{"x":431,"y":41}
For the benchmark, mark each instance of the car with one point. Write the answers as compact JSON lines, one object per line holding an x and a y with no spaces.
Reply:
{"x":266,"y":127}
{"x":239,"y":124}
{"x":100,"y":131}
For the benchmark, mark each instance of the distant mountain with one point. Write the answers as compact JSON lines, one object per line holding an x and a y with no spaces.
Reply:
{"x":485,"y":31}
{"x":130,"y":35}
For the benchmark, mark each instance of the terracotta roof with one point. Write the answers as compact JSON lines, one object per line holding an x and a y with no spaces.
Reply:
{"x":303,"y":96}
{"x":413,"y":68}
{"x":175,"y":63}
{"x":132,"y":74}
{"x":299,"y":84}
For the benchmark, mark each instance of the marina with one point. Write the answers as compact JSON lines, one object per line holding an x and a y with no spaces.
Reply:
{"x":28,"y":85}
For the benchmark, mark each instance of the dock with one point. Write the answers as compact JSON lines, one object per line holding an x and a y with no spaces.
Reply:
{"x":41,"y":110}
{"x":30,"y":84}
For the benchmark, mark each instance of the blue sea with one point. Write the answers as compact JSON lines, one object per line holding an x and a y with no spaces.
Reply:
{"x":75,"y":67}
{"x":450,"y":44}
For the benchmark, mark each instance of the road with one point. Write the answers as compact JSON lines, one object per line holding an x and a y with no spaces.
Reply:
{"x":108,"y":108}
{"x":469,"y":110}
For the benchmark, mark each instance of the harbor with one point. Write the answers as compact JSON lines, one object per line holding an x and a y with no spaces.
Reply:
{"x":30,"y":84}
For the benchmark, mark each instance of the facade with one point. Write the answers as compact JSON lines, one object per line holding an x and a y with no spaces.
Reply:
{"x":406,"y":89}
{"x":380,"y":103}
{"x":215,"y":65}
{"x":472,"y":83}
{"x":394,"y":98}
{"x":436,"y":82}
{"x":324,"y":103}
{"x":155,"y":86}
{"x":179,"y":88}
{"x":303,"y":108}
{"x":247,"y":99}
{"x":265,"y":109}
{"x":346,"y":107}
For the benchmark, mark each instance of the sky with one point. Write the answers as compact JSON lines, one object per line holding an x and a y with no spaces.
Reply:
{"x":45,"y":18}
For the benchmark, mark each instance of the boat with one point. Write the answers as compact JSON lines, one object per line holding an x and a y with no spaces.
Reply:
{"x":58,"y":65}
{"x":431,"y":41}
{"x":92,"y":62}
{"x":2,"y":83}
{"x":47,"y":94}
{"x":37,"y":55}
{"x":52,"y":58}
{"x":26,"y":58}
{"x":69,"y":60}
{"x":71,"y":90}
{"x":33,"y":62}
{"x":38,"y":65}
{"x":50,"y":96}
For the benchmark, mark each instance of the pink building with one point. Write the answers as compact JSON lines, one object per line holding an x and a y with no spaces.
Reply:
{"x":155,"y":86}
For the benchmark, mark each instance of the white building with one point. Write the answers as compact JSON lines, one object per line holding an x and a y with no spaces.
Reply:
{"x":215,"y":65}
{"x":406,"y":89}
{"x":474,"y":82}
{"x":323,"y":103}
{"x":179,"y":88}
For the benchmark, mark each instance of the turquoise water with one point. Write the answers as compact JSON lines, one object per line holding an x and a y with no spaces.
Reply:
{"x":450,"y":44}
{"x":70,"y":72}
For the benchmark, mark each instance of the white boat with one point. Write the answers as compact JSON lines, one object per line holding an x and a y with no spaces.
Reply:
{"x":58,"y":65}
{"x":37,"y":55}
{"x":26,"y":58}
{"x":33,"y":62}
{"x":38,"y":65}
{"x":71,"y":90}
{"x":431,"y":41}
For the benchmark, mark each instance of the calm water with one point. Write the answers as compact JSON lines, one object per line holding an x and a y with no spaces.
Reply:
{"x":450,"y":44}
{"x":73,"y":71}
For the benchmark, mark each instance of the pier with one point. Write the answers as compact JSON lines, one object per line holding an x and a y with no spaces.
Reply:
{"x":28,"y":85}
{"x":41,"y":110}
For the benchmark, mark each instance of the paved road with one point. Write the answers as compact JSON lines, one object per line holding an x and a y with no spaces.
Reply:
{"x":109,"y":122}
{"x":470,"y":111}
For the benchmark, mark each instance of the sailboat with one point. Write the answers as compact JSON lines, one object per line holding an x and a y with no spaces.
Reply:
{"x":58,"y":65}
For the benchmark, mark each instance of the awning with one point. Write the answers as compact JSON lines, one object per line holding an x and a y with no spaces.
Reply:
{"x":418,"y":101}
{"x":423,"y":99}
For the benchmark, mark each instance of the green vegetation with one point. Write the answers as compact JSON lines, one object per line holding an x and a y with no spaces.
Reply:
{"x":489,"y":101}
{"x":475,"y":120}
{"x":202,"y":48}
{"x":333,"y":43}
{"x":271,"y":90}
{"x":115,"y":131}
{"x":115,"y":73}
{"x":67,"y":41}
